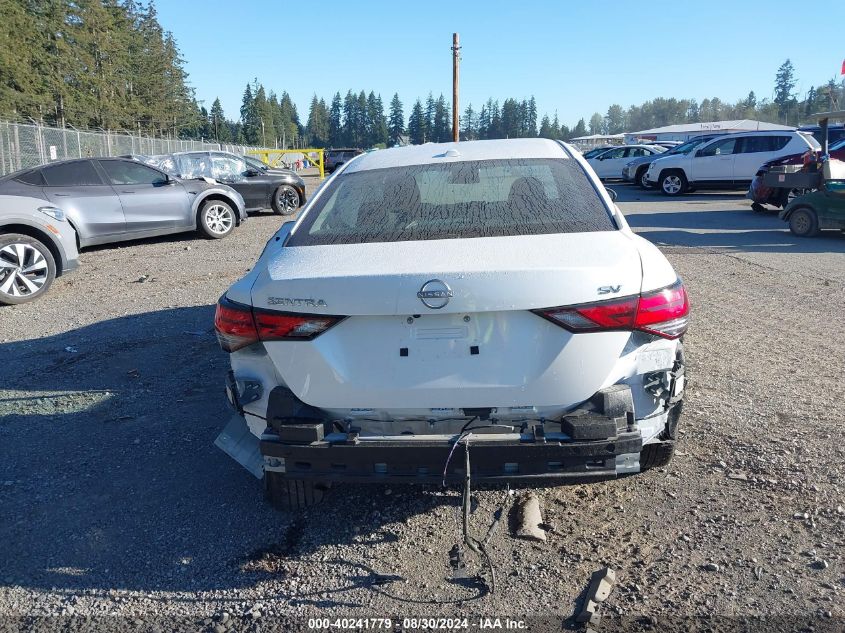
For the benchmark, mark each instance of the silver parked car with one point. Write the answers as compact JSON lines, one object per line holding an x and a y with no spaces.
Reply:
{"x":37,"y":244}
{"x":115,"y":199}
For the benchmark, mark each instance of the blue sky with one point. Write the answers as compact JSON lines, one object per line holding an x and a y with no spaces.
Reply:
{"x":575,"y":58}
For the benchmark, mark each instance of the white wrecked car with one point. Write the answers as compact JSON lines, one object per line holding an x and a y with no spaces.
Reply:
{"x":488,"y":290}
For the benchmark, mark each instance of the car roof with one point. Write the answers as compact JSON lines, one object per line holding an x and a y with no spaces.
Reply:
{"x":67,"y":161}
{"x":432,"y":153}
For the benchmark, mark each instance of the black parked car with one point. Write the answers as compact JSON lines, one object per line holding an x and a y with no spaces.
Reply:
{"x":336,"y":157}
{"x":279,"y":189}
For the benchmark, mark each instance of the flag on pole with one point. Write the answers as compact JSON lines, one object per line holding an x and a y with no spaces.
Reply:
{"x":843,"y":68}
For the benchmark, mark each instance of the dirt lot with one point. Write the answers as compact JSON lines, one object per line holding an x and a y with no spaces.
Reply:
{"x":114,"y":500}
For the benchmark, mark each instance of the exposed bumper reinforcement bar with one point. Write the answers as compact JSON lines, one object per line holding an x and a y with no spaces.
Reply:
{"x":422,"y":461}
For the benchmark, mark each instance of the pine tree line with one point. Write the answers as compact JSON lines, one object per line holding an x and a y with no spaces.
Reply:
{"x":109,"y":64}
{"x":93,"y":63}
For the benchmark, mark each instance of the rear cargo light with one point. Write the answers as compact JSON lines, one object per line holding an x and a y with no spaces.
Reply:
{"x":278,"y":326}
{"x":662,"y":312}
{"x":239,"y":325}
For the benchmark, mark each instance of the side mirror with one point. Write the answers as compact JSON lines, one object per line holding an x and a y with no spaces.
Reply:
{"x":613,"y":195}
{"x":249,"y":173}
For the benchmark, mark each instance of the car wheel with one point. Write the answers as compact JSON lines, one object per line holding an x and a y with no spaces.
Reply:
{"x":217,"y":219}
{"x":292,"y":494}
{"x":656,"y":455}
{"x":803,"y":222}
{"x":286,"y":200}
{"x":673,"y":183}
{"x":640,"y":178}
{"x":27,"y":268}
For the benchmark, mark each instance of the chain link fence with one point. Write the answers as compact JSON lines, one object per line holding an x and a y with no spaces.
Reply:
{"x":27,"y":145}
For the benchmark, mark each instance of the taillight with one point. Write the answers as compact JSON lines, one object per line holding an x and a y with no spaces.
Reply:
{"x":240,"y":325}
{"x":278,"y":326}
{"x":662,"y":312}
{"x":234,"y":325}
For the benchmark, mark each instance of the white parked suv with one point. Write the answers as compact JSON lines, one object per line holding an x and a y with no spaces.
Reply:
{"x":725,"y":162}
{"x":484,"y":293}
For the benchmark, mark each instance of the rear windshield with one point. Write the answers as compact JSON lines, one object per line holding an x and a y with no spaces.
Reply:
{"x":455,"y":200}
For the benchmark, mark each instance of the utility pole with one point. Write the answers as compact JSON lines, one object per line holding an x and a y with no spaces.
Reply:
{"x":456,"y":63}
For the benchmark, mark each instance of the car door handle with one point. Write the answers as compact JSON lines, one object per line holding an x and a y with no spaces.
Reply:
{"x":61,"y":195}
{"x":127,"y":191}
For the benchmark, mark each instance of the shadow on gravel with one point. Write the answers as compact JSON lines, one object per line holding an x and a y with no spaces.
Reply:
{"x":109,"y":478}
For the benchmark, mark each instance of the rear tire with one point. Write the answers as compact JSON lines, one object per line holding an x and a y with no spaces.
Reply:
{"x":803,"y":222}
{"x":27,"y":268}
{"x":640,"y":178}
{"x":292,"y":494}
{"x":216,"y":219}
{"x":656,"y":455}
{"x":673,"y":183}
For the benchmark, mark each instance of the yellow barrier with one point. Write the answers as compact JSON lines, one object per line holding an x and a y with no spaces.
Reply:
{"x":273,"y":157}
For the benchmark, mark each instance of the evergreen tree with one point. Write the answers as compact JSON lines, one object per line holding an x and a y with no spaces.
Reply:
{"x":531,"y":118}
{"x":784,"y":85}
{"x":469,"y":132}
{"x":495,"y":129}
{"x":264,"y":111}
{"x":380,"y":128}
{"x":564,"y":132}
{"x":441,"y":129}
{"x":614,"y":120}
{"x":596,"y":123}
{"x":546,"y":127}
{"x":484,"y":122}
{"x":217,"y":121}
{"x":430,"y":106}
{"x":580,"y":129}
{"x":350,"y":120}
{"x":511,"y":120}
{"x":318,"y":123}
{"x":396,"y":122}
{"x":417,"y":124}
{"x":250,"y":126}
{"x":336,"y":122}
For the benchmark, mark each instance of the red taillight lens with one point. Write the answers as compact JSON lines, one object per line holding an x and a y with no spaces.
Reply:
{"x":663,"y":312}
{"x":234,"y":325}
{"x":276,"y":326}
{"x":239,"y":325}
{"x":593,"y":317}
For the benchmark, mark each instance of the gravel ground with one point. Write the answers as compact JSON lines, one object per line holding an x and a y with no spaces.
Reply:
{"x":115,"y":501}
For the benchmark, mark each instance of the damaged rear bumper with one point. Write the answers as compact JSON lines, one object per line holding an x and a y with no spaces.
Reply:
{"x":341,"y":457}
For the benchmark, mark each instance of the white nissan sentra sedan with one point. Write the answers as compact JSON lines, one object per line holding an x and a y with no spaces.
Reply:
{"x":486,"y":293}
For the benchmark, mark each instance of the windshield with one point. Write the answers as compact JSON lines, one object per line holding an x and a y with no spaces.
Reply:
{"x":255,"y":163}
{"x":455,"y":200}
{"x":685,"y":148}
{"x":837,"y":146}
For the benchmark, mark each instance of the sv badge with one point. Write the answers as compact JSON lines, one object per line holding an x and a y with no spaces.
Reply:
{"x":606,"y":290}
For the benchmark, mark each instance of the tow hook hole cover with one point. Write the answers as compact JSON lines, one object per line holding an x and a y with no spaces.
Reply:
{"x":473,"y":350}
